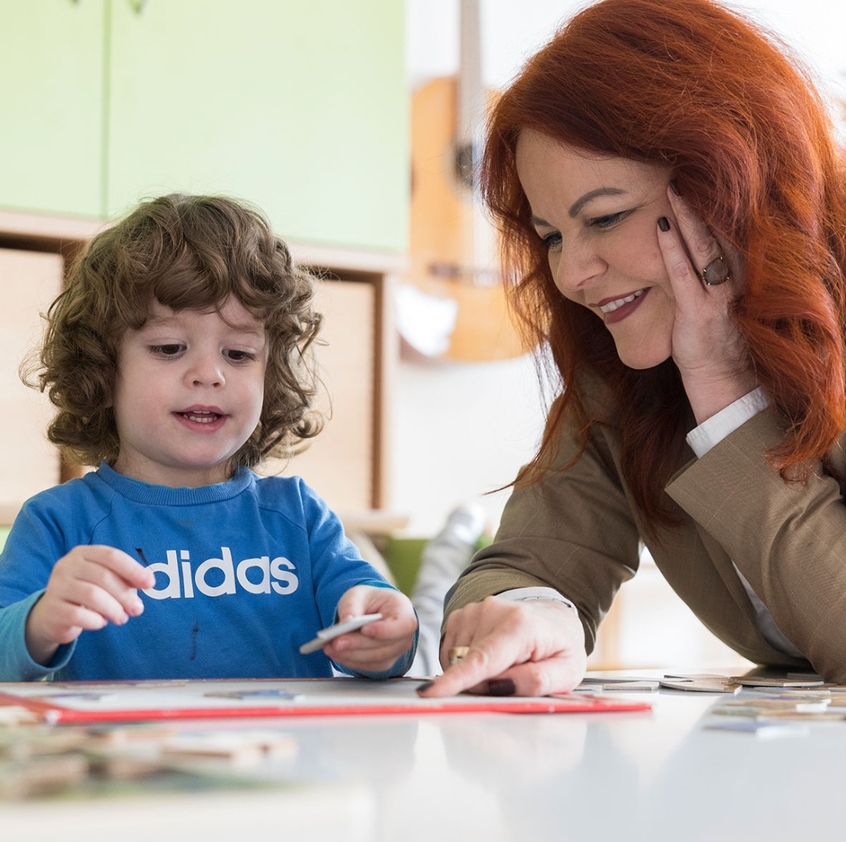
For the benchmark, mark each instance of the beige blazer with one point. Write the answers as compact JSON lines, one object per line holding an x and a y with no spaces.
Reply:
{"x":578,"y":532}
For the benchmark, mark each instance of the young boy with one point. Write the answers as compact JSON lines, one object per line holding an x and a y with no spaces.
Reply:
{"x":177,"y":357}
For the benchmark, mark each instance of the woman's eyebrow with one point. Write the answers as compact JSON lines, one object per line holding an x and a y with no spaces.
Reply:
{"x":590,"y":195}
{"x":577,"y":206}
{"x":539,"y":223}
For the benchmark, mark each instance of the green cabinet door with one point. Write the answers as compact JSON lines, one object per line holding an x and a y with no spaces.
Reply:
{"x":296,"y":105}
{"x":51,"y":89}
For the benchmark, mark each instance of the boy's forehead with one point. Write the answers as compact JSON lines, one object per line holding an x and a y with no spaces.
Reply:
{"x":232,"y":313}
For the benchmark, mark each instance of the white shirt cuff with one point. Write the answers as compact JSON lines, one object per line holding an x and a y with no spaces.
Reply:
{"x":714,"y":429}
{"x":523,"y":594}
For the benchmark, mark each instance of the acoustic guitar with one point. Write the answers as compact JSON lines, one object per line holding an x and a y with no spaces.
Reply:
{"x":452,"y":305}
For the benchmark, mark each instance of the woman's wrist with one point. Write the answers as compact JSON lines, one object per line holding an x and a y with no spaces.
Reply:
{"x":708,"y":396}
{"x":714,"y":429}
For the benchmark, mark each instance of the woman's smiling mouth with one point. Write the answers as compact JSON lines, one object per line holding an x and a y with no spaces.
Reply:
{"x":615,"y":304}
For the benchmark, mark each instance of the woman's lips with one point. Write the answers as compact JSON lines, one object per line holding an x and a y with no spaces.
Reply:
{"x":616,"y":309}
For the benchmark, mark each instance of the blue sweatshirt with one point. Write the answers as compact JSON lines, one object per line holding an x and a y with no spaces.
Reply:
{"x":246,"y":571}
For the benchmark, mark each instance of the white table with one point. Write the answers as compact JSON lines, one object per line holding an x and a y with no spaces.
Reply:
{"x":495,"y":776}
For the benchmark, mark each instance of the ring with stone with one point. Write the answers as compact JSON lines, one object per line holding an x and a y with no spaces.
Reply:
{"x":716,"y":272}
{"x":457,"y":653}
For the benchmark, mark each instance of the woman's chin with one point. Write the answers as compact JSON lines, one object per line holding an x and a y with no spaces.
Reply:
{"x":643,"y":359}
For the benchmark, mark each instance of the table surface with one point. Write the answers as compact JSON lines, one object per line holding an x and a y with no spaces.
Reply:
{"x":657,"y":775}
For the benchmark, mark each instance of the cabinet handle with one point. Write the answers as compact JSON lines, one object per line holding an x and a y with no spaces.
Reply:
{"x":138,"y":6}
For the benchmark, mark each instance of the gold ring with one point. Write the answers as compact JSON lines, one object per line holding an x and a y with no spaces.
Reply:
{"x":716,"y":272}
{"x":457,"y":653}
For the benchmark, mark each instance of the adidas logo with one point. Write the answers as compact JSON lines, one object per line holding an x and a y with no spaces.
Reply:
{"x":177,"y":579}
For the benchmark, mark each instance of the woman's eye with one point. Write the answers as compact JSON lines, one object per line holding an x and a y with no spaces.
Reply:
{"x":170,"y":350}
{"x":606,"y":221}
{"x":551,"y":241}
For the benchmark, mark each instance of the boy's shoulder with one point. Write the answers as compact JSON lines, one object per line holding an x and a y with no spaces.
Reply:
{"x":78,"y":490}
{"x":75,"y":495}
{"x":66,"y":509}
{"x":292,"y":497}
{"x":286,"y":489}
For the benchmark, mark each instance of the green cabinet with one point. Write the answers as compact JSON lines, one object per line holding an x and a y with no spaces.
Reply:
{"x":51,"y":106}
{"x":298,"y":106}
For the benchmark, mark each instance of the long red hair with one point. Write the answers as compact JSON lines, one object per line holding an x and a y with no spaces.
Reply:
{"x":690,"y":85}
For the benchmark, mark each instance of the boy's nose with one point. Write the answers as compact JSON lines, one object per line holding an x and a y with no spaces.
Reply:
{"x":207,"y":372}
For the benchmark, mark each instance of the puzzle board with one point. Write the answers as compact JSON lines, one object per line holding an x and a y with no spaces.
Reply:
{"x":89,"y":702}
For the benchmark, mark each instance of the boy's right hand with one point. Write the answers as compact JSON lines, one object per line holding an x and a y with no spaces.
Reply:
{"x":89,"y":587}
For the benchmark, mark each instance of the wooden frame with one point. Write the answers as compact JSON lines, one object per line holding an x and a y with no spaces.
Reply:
{"x":66,"y":236}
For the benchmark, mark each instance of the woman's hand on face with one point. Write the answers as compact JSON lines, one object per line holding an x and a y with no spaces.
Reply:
{"x":707,"y":347}
{"x":89,"y":587}
{"x":527,"y":648}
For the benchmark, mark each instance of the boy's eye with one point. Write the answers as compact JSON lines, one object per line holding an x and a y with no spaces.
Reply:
{"x":238,"y":356}
{"x":170,"y":350}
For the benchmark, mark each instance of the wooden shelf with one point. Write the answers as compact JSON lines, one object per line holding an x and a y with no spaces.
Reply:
{"x":361,"y":485}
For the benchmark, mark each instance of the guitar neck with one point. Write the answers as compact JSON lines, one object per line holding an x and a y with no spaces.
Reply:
{"x":471,"y":94}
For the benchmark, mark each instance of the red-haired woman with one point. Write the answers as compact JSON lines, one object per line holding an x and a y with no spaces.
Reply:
{"x":673,"y":209}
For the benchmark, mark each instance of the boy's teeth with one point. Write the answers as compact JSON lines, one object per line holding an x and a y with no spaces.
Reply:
{"x":201,"y":417}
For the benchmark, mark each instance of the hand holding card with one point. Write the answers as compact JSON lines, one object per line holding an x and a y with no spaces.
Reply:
{"x":331,"y":632}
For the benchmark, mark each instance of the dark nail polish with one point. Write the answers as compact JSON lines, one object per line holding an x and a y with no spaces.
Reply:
{"x":424,"y":686}
{"x":664,"y":223}
{"x":674,"y":187}
{"x":501,"y":687}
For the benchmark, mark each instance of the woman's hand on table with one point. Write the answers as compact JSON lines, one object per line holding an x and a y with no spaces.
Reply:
{"x":522,"y":648}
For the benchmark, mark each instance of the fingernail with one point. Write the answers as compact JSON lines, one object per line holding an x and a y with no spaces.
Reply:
{"x":501,"y":687}
{"x":674,"y":187}
{"x":425,"y":686}
{"x":664,"y":223}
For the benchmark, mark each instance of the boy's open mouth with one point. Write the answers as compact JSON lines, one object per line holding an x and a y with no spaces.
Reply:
{"x":200,"y":417}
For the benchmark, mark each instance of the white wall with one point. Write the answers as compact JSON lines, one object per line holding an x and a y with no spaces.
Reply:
{"x":460,"y":430}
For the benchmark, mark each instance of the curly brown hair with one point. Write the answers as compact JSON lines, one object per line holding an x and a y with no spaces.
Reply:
{"x":186,"y":252}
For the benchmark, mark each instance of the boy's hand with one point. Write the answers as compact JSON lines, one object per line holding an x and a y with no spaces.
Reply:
{"x":376,"y":646}
{"x":88,"y":588}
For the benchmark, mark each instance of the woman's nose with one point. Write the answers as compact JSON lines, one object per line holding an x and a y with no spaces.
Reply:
{"x":574,"y":266}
